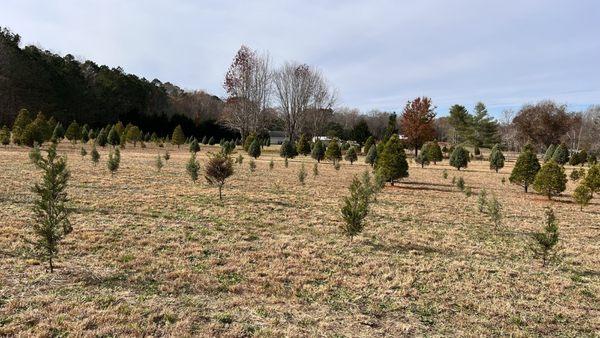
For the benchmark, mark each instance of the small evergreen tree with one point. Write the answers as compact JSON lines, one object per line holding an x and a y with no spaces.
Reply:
{"x":204,"y":140}
{"x":134,"y":135}
{"x":5,"y":136}
{"x":248,"y":141}
{"x":576,"y":174}
{"x":114,"y":139}
{"x":392,"y":165}
{"x":318,"y":151}
{"x":525,"y":169}
{"x":85,"y":134}
{"x":211,"y":141}
{"x":482,"y":200}
{"x":102,"y":138}
{"x":302,"y":174}
{"x":434,"y":152}
{"x":546,"y":240}
{"x":549,"y":152}
{"x":582,"y":195}
{"x":355,"y":207}
{"x":271,"y":164}
{"x":287,"y":149}
{"x":51,"y":221}
{"x":333,"y":152}
{"x":114,"y":161}
{"x":460,"y":183}
{"x":459,"y":158}
{"x":92,"y":134}
{"x":252,"y":164}
{"x":158,"y":163}
{"x":303,"y":146}
{"x":371,"y":157}
{"x":192,"y":167}
{"x":494,"y":209}
{"x":367,"y":147}
{"x":218,"y":169}
{"x":178,"y":137}
{"x":33,"y":134}
{"x":254,"y":148}
{"x":73,"y":132}
{"x":239,"y":159}
{"x":592,"y":178}
{"x":476,"y":151}
{"x":194,"y":146}
{"x":167,"y":156}
{"x":95,"y":155}
{"x":561,"y":154}
{"x":351,"y":155}
{"x":82,"y":152}
{"x":496,"y":158}
{"x":551,"y":180}
{"x":423,"y":156}
{"x":35,"y":155}
{"x":316,"y":169}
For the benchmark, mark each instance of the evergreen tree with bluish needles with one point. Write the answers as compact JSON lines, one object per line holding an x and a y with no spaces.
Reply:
{"x":51,"y":215}
{"x":549,"y":153}
{"x":561,"y":154}
{"x":371,"y":157}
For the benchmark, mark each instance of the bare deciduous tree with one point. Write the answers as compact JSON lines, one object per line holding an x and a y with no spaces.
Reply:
{"x":298,"y":90}
{"x":248,"y":86}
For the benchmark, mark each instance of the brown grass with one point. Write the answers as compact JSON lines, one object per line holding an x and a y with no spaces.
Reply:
{"x":154,"y":254}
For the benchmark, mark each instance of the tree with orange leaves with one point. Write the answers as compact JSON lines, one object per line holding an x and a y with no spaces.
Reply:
{"x":417,"y":122}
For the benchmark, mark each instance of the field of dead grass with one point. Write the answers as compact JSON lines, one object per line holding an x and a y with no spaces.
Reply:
{"x":153,"y":254}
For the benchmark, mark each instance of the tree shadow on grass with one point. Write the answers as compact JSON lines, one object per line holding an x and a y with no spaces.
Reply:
{"x":397,"y":248}
{"x":421,"y":188}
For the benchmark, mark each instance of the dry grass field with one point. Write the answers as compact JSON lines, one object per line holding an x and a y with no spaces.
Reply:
{"x":153,"y":254}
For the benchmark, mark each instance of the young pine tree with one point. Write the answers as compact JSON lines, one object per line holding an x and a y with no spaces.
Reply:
{"x":167,"y":156}
{"x":551,"y":180}
{"x":582,"y":195}
{"x":434,"y":152}
{"x":459,"y":158}
{"x":496,"y":158}
{"x":35,"y":155}
{"x":371,"y":157}
{"x":494,"y":210}
{"x":561,"y":154}
{"x":482,"y":201}
{"x":392,"y":165}
{"x":549,"y":153}
{"x":252,"y":165}
{"x":423,"y":156}
{"x":73,"y":132}
{"x":287,"y":149}
{"x":95,"y":155}
{"x":218,"y":169}
{"x":178,"y":137}
{"x":51,"y":221}
{"x":525,"y":169}
{"x":114,"y":139}
{"x":194,"y":146}
{"x":192,"y":167}
{"x":545,"y":241}
{"x":303,"y":146}
{"x":355,"y":207}
{"x":114,"y":160}
{"x":367,"y":147}
{"x":254,"y":148}
{"x":271,"y":164}
{"x":158,"y":163}
{"x":5,"y":136}
{"x":333,"y":152}
{"x":351,"y":155}
{"x":592,"y":178}
{"x":83,"y":152}
{"x":318,"y":151}
{"x":316,"y":169}
{"x":302,"y":174}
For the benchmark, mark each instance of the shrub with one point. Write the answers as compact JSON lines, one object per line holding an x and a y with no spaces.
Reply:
{"x":318,"y":151}
{"x":351,"y":155}
{"x":271,"y":164}
{"x":192,"y":167}
{"x":178,"y":137}
{"x":228,"y":147}
{"x":494,"y":210}
{"x":252,"y":165}
{"x":337,"y":166}
{"x":561,"y":154}
{"x":254,"y":149}
{"x":392,"y":164}
{"x":525,"y":169}
{"x":51,"y":215}
{"x":167,"y":155}
{"x":496,"y":158}
{"x":577,"y":174}
{"x":468,"y":192}
{"x":459,"y":158}
{"x":218,"y":169}
{"x":302,"y":174}
{"x":445,"y":174}
{"x":114,"y":161}
{"x":316,"y":170}
{"x":551,"y":180}
{"x":95,"y":155}
{"x":546,"y":240}
{"x":371,"y":157}
{"x":240,"y":159}
{"x":82,"y":152}
{"x":158,"y":163}
{"x":333,"y":152}
{"x":582,"y":195}
{"x":482,"y":200}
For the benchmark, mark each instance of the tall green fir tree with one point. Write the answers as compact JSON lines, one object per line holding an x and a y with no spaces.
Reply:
{"x":73,"y":132}
{"x":496,"y":158}
{"x":551,"y":180}
{"x":303,"y":145}
{"x":459,"y":158}
{"x":254,"y":148}
{"x":351,"y":155}
{"x":287,"y":149}
{"x":113,"y":137}
{"x":333,"y":152}
{"x":318,"y":151}
{"x":178,"y":137}
{"x":525,"y":169}
{"x":392,"y":164}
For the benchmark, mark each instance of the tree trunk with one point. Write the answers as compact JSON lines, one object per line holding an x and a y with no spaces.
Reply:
{"x":51,"y":265}
{"x":526,"y":188}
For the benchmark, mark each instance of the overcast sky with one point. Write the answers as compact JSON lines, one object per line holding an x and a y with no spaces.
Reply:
{"x":377,"y":54}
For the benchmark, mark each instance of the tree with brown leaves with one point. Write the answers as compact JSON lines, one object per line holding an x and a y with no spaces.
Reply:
{"x":417,"y":122}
